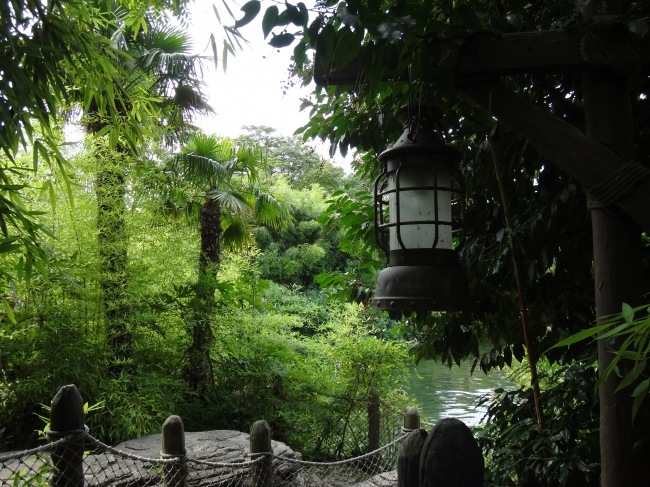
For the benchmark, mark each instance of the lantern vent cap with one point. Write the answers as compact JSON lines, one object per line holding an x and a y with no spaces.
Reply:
{"x":426,"y":141}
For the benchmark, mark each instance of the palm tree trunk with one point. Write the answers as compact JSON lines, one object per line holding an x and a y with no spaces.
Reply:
{"x":198,"y":374}
{"x":110,"y":190}
{"x":210,"y":237}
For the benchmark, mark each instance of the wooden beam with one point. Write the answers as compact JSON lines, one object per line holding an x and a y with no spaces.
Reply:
{"x":586,"y":160}
{"x":611,"y":48}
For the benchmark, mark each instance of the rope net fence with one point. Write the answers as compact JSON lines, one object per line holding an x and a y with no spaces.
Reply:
{"x":82,"y":460}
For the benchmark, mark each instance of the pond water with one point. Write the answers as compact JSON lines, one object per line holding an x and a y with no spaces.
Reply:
{"x":452,"y":393}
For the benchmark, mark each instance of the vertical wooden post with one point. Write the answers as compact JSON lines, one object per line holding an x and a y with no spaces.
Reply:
{"x":617,"y":261}
{"x":173,"y":444}
{"x":411,"y":419}
{"x":67,"y":414}
{"x":260,"y":442}
{"x":408,"y":456}
{"x":373,"y":420}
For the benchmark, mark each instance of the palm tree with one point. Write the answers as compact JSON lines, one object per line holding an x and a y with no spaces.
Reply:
{"x":231,"y":197}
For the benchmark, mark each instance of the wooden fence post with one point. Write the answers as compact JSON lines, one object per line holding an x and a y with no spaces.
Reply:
{"x":260,"y":442}
{"x":373,"y":420}
{"x":173,"y":444}
{"x":411,"y":419}
{"x":408,"y":456}
{"x":67,"y":415}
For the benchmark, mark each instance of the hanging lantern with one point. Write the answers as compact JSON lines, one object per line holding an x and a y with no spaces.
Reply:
{"x":417,"y":185}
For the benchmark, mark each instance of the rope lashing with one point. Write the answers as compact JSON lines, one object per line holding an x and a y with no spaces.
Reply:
{"x":619,"y":185}
{"x":180,"y":456}
{"x":57,"y":435}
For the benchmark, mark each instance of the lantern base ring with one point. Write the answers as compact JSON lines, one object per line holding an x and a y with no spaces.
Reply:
{"x":421,"y":288}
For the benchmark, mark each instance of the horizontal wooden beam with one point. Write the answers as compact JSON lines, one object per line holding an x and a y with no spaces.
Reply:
{"x":563,"y":144}
{"x":609,"y":48}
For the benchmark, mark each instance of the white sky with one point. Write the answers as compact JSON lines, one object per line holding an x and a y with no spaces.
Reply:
{"x":250,"y":92}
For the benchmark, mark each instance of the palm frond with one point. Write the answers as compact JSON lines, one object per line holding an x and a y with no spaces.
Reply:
{"x":168,"y":39}
{"x":201,"y":170}
{"x":269,"y":211}
{"x":230,"y":200}
{"x":236,"y":234}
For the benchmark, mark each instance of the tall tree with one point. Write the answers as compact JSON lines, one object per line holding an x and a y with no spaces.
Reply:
{"x":231,"y":197}
{"x":158,"y":87}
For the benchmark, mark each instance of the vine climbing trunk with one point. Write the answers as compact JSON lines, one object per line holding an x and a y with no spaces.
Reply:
{"x":110,"y":189}
{"x":198,"y":373}
{"x":617,"y":261}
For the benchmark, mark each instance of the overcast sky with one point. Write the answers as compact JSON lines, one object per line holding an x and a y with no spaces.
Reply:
{"x":251,"y":90}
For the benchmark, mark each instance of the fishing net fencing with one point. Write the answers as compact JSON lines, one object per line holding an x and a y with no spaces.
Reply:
{"x":79,"y":459}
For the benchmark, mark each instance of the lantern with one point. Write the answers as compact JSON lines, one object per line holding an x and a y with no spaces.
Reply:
{"x":418,"y":185}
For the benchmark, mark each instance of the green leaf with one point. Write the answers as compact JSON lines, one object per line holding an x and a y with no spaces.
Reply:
{"x":250,"y":9}
{"x":628,"y":313}
{"x":632,"y":375}
{"x":269,"y":20}
{"x":8,"y":310}
{"x":304,"y":14}
{"x":228,"y":9}
{"x":642,"y":388}
{"x":639,"y":395}
{"x":325,"y":44}
{"x":583,"y":335}
{"x":282,"y":40}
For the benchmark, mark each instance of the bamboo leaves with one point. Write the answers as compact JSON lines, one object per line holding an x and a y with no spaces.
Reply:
{"x":630,"y":339}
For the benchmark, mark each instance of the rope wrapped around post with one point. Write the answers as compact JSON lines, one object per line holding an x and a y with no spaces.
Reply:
{"x":619,"y":185}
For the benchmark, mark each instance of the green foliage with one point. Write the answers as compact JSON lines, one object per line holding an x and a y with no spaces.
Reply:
{"x":629,"y":340}
{"x":313,"y":391}
{"x":296,"y":253}
{"x":352,"y":214}
{"x":567,"y":454}
{"x":293,"y":158}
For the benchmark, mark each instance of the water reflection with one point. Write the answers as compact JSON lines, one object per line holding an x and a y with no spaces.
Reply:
{"x":452,"y":393}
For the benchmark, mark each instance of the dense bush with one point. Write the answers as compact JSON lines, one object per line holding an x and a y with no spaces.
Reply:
{"x":567,"y":453}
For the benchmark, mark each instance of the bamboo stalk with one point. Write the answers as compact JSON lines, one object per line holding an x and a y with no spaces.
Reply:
{"x":523,"y":310}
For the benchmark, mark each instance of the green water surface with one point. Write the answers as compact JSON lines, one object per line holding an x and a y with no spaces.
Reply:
{"x":452,"y":393}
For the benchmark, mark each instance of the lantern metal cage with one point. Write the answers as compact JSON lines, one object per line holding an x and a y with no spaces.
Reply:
{"x":418,"y":187}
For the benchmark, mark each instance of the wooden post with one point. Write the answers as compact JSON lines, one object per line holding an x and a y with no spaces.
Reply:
{"x":373,"y":420}
{"x":173,"y":444}
{"x":260,"y":442}
{"x":411,"y":419}
{"x":408,"y":456}
{"x":67,"y":415}
{"x":618,"y":263}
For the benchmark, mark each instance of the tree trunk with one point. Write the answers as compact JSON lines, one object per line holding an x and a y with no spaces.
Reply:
{"x":110,"y":190}
{"x":198,"y":373}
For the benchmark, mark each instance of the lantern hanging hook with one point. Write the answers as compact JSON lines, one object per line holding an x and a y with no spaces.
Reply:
{"x":413,"y":133}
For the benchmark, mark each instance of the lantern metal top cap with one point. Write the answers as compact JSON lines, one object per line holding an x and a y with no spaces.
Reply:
{"x":424,"y":139}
